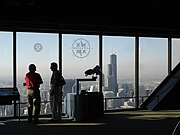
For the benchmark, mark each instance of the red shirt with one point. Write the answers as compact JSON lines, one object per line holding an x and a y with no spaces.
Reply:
{"x":33,"y":80}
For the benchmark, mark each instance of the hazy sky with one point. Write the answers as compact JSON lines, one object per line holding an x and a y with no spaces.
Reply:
{"x":153,"y":54}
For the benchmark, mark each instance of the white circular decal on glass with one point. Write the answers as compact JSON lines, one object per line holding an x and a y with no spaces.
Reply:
{"x":38,"y":47}
{"x":81,"y":48}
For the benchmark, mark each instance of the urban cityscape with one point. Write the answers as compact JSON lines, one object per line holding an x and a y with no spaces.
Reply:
{"x":118,"y":93}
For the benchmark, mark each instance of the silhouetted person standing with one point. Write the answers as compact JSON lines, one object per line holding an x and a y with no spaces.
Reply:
{"x":56,"y":93}
{"x":33,"y":81}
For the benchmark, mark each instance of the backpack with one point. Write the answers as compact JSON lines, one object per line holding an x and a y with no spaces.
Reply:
{"x":62,"y":81}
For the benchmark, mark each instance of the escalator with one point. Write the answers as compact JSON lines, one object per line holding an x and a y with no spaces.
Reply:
{"x":167,"y":95}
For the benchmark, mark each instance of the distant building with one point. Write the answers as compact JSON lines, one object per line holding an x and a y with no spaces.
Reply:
{"x":68,"y":87}
{"x":128,"y":89}
{"x":109,"y":103}
{"x":112,"y":74}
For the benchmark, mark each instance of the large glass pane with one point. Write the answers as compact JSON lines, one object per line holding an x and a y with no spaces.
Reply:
{"x":40,"y":49}
{"x":153,"y":63}
{"x":6,"y":59}
{"x":6,"y":68}
{"x":80,"y":53}
{"x":118,"y":69}
{"x":175,"y":52}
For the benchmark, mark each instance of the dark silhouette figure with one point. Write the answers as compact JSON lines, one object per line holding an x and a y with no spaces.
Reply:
{"x":94,"y":72}
{"x":56,"y":92}
{"x":32,"y":83}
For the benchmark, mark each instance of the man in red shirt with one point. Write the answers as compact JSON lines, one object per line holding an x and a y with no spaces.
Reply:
{"x":33,"y":81}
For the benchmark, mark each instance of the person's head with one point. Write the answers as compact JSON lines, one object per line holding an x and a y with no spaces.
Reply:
{"x":54,"y":66}
{"x":32,"y":68}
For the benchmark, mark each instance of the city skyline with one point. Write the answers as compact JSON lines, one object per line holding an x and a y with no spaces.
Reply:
{"x":45,"y":94}
{"x":122,"y":90}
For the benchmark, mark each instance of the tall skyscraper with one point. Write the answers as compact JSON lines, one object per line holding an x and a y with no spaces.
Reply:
{"x":112,"y":74}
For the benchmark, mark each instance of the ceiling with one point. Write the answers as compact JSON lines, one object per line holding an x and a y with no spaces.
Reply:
{"x":111,"y":15}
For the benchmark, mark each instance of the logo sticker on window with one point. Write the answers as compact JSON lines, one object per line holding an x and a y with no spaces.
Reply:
{"x":38,"y":47}
{"x":81,"y":48}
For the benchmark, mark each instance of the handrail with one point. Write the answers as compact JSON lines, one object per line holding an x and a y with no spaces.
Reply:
{"x":105,"y":101}
{"x":116,"y":98}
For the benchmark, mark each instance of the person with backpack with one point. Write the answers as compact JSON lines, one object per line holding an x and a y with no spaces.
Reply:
{"x":56,"y":83}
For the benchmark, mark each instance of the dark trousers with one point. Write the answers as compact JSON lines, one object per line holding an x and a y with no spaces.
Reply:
{"x":56,"y":103}
{"x":34,"y":101}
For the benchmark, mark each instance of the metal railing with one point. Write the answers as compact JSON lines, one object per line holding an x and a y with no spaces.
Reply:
{"x":116,"y":103}
{"x":111,"y":103}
